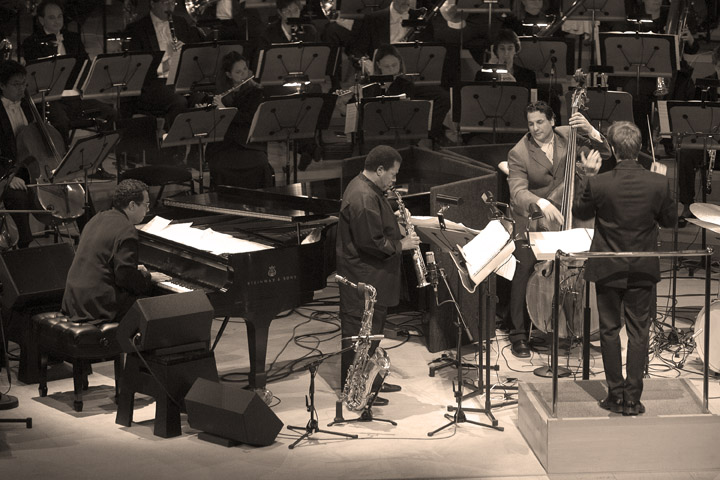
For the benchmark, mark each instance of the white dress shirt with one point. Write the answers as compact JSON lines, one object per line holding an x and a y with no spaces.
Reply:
{"x":224,"y":10}
{"x":164,"y":39}
{"x":397,"y":31}
{"x":59,"y":42}
{"x":15,"y":113}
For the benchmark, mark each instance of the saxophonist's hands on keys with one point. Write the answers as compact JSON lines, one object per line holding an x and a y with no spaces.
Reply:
{"x":409,"y":242}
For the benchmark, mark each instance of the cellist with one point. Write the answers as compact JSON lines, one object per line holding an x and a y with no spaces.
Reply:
{"x":14,"y":116}
{"x":536,"y":169}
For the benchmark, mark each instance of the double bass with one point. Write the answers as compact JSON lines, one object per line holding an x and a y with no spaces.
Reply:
{"x":40,"y":149}
{"x":540,"y":289}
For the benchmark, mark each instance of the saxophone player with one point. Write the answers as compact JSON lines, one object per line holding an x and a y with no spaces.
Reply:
{"x":369,"y":249}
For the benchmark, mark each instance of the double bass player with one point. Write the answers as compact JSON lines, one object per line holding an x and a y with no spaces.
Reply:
{"x":536,"y":169}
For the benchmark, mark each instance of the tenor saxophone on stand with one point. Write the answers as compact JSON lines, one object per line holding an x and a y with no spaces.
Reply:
{"x":421,"y":271}
{"x":365,"y":367}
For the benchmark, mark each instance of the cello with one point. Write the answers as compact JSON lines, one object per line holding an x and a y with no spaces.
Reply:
{"x":540,"y":291}
{"x":40,"y":149}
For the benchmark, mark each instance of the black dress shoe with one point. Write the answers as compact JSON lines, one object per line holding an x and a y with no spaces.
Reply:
{"x":633,"y":408}
{"x":520,"y":349}
{"x":389,"y":388}
{"x":380,"y":402}
{"x":611,"y":403}
{"x":682,"y":222}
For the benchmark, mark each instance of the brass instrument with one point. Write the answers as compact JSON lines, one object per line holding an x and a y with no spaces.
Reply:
{"x":195,"y":8}
{"x":175,"y":41}
{"x":550,"y":30}
{"x":425,"y":17}
{"x":329,"y":9}
{"x":362,"y":373}
{"x":421,"y":272}
{"x":6,"y":47}
{"x":661,"y":88}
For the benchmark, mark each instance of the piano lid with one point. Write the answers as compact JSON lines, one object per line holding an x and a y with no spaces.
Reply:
{"x":264,"y":204}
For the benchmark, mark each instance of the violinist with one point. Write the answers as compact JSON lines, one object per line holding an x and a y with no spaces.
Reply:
{"x":537,"y":169}
{"x":628,"y":204}
{"x":388,"y":61}
{"x":63,"y":42}
{"x":234,"y":161}
{"x":15,"y":115}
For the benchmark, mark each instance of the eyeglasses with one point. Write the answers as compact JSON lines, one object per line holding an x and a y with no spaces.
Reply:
{"x":146,"y":204}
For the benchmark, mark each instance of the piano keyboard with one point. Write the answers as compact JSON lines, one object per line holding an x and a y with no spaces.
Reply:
{"x":178,"y":286}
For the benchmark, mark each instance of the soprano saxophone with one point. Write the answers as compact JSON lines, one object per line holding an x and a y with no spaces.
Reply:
{"x":365,"y":367}
{"x":421,"y":271}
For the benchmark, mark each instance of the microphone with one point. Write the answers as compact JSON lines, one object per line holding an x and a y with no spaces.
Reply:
{"x":432,"y":270}
{"x":495,"y":212}
{"x":448,"y":199}
{"x":365,"y":337}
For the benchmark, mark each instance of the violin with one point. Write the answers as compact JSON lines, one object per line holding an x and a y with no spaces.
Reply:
{"x":40,"y":149}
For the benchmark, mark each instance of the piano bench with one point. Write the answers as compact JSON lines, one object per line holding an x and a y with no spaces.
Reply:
{"x":161,"y":176}
{"x":78,"y":343}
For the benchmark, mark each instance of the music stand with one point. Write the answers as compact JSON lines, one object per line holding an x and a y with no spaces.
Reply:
{"x":201,"y":125}
{"x":596,"y":10}
{"x":424,"y":61}
{"x":357,"y":8}
{"x":278,"y":61}
{"x":605,"y":107}
{"x":282,"y":119}
{"x":449,"y":242}
{"x":47,"y":77}
{"x":484,"y":6}
{"x":639,"y":55}
{"x":550,"y":58}
{"x":200,"y":63}
{"x":391,"y":120}
{"x":493,"y":107}
{"x":115,"y":75}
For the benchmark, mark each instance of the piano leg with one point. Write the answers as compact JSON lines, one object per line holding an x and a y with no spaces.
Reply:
{"x":257,"y":333}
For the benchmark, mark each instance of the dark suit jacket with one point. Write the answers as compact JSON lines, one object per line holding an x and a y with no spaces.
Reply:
{"x":8,"y":145}
{"x":628,"y":203}
{"x":143,"y":37}
{"x":374,"y":30}
{"x":34,"y":49}
{"x":274,"y":34}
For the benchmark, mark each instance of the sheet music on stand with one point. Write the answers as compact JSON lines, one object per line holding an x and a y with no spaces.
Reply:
{"x":200,"y":63}
{"x":640,"y":54}
{"x":85,"y":155}
{"x":496,"y":107}
{"x":483,"y":6}
{"x":425,"y":60}
{"x":48,"y":76}
{"x":545,"y":244}
{"x":358,"y":8}
{"x":543,"y":55}
{"x":279,"y":60}
{"x":599,"y":10}
{"x":114,"y":75}
{"x":695,"y":123}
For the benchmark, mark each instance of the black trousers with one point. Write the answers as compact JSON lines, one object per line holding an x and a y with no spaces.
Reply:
{"x":519,"y":317}
{"x":636,"y":304}
{"x":350,"y":325}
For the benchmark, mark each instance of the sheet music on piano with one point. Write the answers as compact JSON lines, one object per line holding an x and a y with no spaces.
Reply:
{"x":205,"y":239}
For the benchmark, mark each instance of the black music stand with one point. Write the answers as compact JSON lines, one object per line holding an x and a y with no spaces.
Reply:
{"x":423,"y":61}
{"x":47,"y":78}
{"x":605,"y":107}
{"x":596,"y":10}
{"x":639,"y":55}
{"x":200,"y":64}
{"x":490,"y":7}
{"x":115,"y":75}
{"x":550,"y":58}
{"x":286,"y":119}
{"x":201,"y":126}
{"x":278,"y":61}
{"x":390,"y":120}
{"x":493,"y":107}
{"x":357,"y":8}
{"x":449,"y":241}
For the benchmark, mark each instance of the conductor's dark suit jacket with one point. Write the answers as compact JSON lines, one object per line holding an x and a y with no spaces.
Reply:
{"x":33,"y":49}
{"x":629,"y":202}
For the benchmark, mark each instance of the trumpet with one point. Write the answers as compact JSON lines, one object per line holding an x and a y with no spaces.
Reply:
{"x":6,"y":48}
{"x":421,"y":271}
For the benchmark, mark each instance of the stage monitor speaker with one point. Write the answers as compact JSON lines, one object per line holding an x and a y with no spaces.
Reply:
{"x":166,"y":321}
{"x":231,"y":413}
{"x":35,"y":276}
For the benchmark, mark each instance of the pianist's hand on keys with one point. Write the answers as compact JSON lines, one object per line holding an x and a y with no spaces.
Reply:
{"x":158,"y":277}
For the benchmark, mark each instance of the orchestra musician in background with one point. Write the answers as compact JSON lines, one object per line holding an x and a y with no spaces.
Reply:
{"x":234,"y":161}
{"x":537,"y":168}
{"x":153,"y":33}
{"x":280,"y":31}
{"x":369,"y":249}
{"x":105,"y":278}
{"x":628,"y":203}
{"x":50,"y":19}
{"x":15,"y":115}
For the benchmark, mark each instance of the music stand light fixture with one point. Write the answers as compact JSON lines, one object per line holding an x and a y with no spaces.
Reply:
{"x":493,"y":68}
{"x":296,"y":80}
{"x":641,"y":19}
{"x":539,"y":25}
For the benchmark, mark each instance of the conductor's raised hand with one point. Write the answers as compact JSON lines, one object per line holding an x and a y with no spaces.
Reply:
{"x":591,"y":162}
{"x":409,"y":242}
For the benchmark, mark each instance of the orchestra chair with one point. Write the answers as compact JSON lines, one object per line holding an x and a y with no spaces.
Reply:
{"x":161,"y":176}
{"x":78,"y":343}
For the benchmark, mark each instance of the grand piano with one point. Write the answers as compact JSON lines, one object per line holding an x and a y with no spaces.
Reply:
{"x":255,"y":285}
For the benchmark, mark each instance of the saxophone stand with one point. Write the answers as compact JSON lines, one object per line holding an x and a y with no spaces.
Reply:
{"x":312,"y":425}
{"x":366,"y":415}
{"x":459,"y":415}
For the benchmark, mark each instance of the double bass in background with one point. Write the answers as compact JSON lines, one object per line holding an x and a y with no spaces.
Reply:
{"x":540,"y":289}
{"x":40,"y":149}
